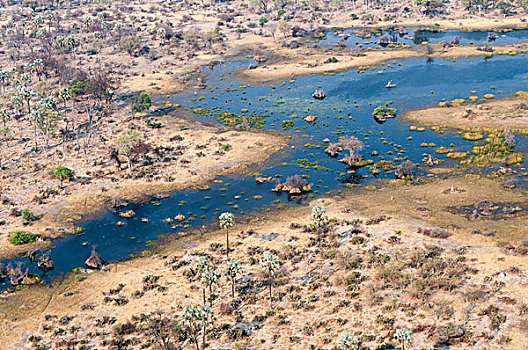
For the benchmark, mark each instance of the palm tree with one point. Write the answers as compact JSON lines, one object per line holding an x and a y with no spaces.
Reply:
{"x":196,"y":317}
{"x":203,"y":263}
{"x":64,"y":95}
{"x":4,"y":78}
{"x":4,"y":115}
{"x":25,"y":94}
{"x":210,"y":277}
{"x":227,"y":220}
{"x":50,"y":17}
{"x":232,"y":270}
{"x":270,"y":264}
{"x":404,"y":337}
{"x":319,"y":221}
{"x":38,"y":67}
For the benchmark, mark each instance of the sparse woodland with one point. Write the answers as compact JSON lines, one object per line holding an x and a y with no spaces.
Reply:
{"x":78,"y":80}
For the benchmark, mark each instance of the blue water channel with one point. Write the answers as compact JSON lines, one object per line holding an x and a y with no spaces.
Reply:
{"x":356,"y":38}
{"x":346,"y":111}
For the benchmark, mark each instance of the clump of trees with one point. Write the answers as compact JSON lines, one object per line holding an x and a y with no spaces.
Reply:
{"x":294,"y":185}
{"x":404,"y":170}
{"x":353,"y":145}
{"x":131,"y":145}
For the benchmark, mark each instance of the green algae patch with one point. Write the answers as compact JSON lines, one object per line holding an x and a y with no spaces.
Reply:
{"x":443,"y":150}
{"x":472,"y":136}
{"x":456,"y":155}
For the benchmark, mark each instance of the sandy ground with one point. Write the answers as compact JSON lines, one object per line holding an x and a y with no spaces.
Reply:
{"x":24,"y":313}
{"x":464,"y":23}
{"x":305,"y":61}
{"x":505,"y":114}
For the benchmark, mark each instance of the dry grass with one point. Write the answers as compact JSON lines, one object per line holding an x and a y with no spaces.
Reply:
{"x":368,"y":288}
{"x":506,"y":113}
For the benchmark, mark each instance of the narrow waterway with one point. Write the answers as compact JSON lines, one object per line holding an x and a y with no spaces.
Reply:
{"x":346,"y":111}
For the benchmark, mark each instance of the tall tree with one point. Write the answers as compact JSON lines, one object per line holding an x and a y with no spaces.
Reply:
{"x":270,"y":265}
{"x":227,"y":220}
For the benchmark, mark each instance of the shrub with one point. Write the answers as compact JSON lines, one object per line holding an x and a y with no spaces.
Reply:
{"x":77,"y":86}
{"x":404,"y":170}
{"x":21,"y":237}
{"x":142,"y":103}
{"x":62,"y":173}
{"x":28,"y":215}
{"x":129,"y":44}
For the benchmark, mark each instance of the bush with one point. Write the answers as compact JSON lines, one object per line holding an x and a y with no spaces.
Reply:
{"x":28,"y":215}
{"x":77,"y":87}
{"x":62,"y":173}
{"x":141,"y":103}
{"x":21,"y":237}
{"x":129,"y":44}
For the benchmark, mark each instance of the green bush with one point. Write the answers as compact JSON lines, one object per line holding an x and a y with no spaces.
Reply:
{"x":64,"y":174}
{"x":28,"y":215}
{"x":142,"y":102}
{"x":21,"y":237}
{"x":77,"y":87}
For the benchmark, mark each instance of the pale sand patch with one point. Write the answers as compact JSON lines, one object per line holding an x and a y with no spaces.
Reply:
{"x":307,"y":61}
{"x":505,"y":114}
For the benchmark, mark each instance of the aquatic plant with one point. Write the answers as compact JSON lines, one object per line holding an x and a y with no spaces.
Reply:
{"x":494,"y":148}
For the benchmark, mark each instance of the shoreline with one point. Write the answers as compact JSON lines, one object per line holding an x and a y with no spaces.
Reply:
{"x":65,"y":213}
{"x":399,"y":211}
{"x":504,"y":113}
{"x":476,"y":24}
{"x":298,"y":65}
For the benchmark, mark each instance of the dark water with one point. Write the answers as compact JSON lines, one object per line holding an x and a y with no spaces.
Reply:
{"x":416,"y":37}
{"x":345,"y":112}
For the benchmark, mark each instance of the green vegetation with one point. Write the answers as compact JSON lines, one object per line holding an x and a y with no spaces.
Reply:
{"x":21,"y":237}
{"x":141,"y":103}
{"x":28,"y":215}
{"x":64,"y":174}
{"x":383,"y":111}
